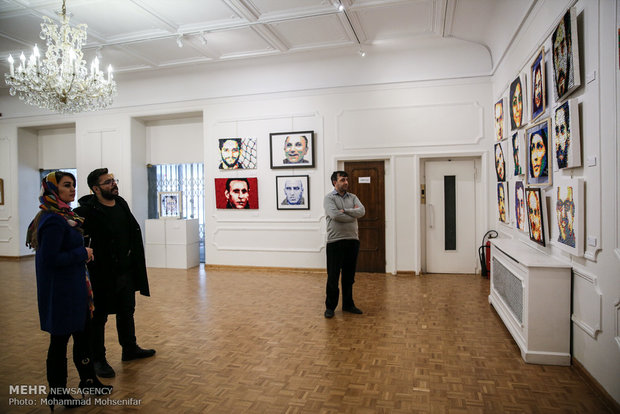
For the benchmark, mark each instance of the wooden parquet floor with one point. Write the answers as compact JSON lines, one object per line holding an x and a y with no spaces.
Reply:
{"x":256,"y":341}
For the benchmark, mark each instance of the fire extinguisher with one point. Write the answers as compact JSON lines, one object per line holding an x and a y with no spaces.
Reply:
{"x":484,"y":252}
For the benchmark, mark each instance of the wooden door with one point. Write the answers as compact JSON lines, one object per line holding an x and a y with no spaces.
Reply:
{"x":366,"y":181}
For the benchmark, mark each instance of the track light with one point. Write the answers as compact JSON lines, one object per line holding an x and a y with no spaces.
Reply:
{"x":203,"y":38}
{"x":362,"y":53}
{"x":180,"y":40}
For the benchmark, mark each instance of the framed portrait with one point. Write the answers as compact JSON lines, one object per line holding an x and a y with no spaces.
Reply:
{"x":292,"y":149}
{"x":293,"y":192}
{"x":170,"y":204}
{"x":501,"y":121}
{"x":519,"y":206}
{"x":566,"y":136}
{"x":538,"y":155}
{"x":517,"y":150}
{"x":1,"y":192}
{"x":565,"y":56}
{"x":236,"y":193}
{"x":500,"y":161}
{"x":568,"y":220}
{"x":536,"y":208}
{"x":237,"y":153}
{"x":502,"y":203}
{"x":517,"y":103}
{"x":538,"y":85}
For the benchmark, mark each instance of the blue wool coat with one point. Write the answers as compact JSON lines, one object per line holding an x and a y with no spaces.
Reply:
{"x":61,"y":281}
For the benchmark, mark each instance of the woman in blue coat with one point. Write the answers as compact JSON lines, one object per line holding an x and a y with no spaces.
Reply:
{"x":63,"y":289}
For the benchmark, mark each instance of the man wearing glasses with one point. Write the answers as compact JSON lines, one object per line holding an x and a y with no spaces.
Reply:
{"x":118,"y":270}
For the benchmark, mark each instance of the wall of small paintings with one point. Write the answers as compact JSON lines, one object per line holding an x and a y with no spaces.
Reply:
{"x":537,"y":135}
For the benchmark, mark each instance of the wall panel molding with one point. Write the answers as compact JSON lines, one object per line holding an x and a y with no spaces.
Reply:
{"x":587,"y":303}
{"x":261,"y":239}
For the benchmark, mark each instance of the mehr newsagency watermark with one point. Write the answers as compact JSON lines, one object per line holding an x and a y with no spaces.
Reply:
{"x":32,"y":395}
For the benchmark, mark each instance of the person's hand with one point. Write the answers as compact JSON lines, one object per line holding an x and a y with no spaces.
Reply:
{"x":91,"y":255}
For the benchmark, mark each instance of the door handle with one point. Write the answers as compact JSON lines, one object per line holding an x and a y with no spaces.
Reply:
{"x":431,"y":215}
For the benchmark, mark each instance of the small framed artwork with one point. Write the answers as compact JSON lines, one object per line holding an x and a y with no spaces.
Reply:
{"x":538,"y":85}
{"x":538,"y":155}
{"x":293,"y":192}
{"x":566,"y":137}
{"x":500,"y":161}
{"x":1,"y":192}
{"x":536,"y":215}
{"x":501,"y":121}
{"x":517,"y":147}
{"x":170,"y":204}
{"x":565,"y":50}
{"x":519,"y":206}
{"x":517,"y":103}
{"x":292,"y":149}
{"x":568,"y":228}
{"x":237,"y":193}
{"x":502,"y":203}
{"x":237,"y":153}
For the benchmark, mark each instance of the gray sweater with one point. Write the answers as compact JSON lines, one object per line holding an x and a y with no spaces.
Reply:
{"x":342,"y":225}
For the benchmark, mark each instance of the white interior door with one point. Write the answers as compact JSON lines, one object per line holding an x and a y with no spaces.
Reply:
{"x":450,"y":217}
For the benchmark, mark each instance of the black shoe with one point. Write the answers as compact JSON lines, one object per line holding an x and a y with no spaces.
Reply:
{"x":353,"y":309}
{"x":137,"y":353}
{"x":103,"y":369}
{"x":329,"y":313}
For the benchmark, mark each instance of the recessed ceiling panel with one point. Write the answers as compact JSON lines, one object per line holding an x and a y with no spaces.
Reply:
{"x":268,"y":8}
{"x":23,"y":28}
{"x":324,"y":30}
{"x":188,"y":13}
{"x":396,"y":20}
{"x":237,"y":42}
{"x":164,"y":51}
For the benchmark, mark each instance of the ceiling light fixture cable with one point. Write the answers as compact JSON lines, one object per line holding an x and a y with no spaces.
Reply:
{"x":342,"y":9}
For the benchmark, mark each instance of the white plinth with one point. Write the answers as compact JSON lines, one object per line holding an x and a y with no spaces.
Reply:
{"x":531,"y":292}
{"x":172,"y":243}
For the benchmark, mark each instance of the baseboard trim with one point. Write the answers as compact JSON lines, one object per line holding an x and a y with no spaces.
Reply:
{"x":406,"y":273}
{"x":606,"y":398}
{"x":16,"y":258}
{"x":264,"y":268}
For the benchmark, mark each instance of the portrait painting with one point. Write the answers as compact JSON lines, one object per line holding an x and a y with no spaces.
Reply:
{"x":292,"y":149}
{"x":237,"y":153}
{"x":568,"y":228}
{"x":517,"y":103}
{"x":519,"y":206}
{"x":500,"y":161}
{"x":170,"y":204}
{"x":536,"y":209}
{"x":538,"y":156}
{"x":566,"y":136}
{"x":517,"y":148}
{"x":502,"y":203}
{"x":236,"y":193}
{"x":293,"y":192}
{"x":501,"y":121}
{"x":565,"y":55}
{"x":538,"y":86}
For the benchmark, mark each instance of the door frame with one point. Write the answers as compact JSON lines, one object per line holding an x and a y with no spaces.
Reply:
{"x":481,"y":187}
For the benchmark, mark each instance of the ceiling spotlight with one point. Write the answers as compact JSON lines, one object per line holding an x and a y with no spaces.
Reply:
{"x":340,"y":8}
{"x":180,"y":40}
{"x":362,"y":53}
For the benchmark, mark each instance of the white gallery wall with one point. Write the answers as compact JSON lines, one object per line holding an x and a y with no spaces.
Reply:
{"x":596,"y":275}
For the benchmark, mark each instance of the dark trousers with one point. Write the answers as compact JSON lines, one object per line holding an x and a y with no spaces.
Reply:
{"x":341,"y":256}
{"x":57,"y":354}
{"x":124,"y":305}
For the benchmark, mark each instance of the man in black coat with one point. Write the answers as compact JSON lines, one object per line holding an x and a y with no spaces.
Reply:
{"x":119,"y":267}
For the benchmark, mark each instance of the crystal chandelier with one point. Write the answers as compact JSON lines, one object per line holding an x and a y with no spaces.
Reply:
{"x":61,"y":81}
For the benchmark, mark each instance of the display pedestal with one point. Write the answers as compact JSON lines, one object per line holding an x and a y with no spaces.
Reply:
{"x":172,"y":243}
{"x":531,"y":292}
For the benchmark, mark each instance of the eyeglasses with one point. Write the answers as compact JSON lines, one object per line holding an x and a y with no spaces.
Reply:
{"x":108,"y":182}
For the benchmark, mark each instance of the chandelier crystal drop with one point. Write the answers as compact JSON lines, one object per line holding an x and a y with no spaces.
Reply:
{"x":61,"y":81}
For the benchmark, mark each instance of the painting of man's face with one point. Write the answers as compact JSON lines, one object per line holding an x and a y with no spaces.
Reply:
{"x":520,"y":206}
{"x":534,"y":214}
{"x":562,"y":137}
{"x":292,"y":149}
{"x":565,"y":51}
{"x":538,"y":155}
{"x":538,"y":88}
{"x":237,"y":193}
{"x":499,"y":120}
{"x":560,"y":58}
{"x":295,"y":148}
{"x":501,"y":202}
{"x":230,"y":149}
{"x":500,"y":163}
{"x":565,"y":212}
{"x":294,"y":191}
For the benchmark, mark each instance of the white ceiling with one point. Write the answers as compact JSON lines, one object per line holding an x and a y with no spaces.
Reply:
{"x":142,"y":35}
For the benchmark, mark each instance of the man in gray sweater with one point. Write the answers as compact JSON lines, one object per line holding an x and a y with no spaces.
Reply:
{"x":342,"y":210}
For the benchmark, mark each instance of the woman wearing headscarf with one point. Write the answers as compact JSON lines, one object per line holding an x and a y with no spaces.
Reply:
{"x":63,"y":288}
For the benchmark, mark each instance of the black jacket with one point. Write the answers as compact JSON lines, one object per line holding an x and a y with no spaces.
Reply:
{"x":104,"y":269}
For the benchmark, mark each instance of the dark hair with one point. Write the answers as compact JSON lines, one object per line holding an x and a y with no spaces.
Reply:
{"x":237,"y":140}
{"x":236,"y":179}
{"x":60,"y":174}
{"x":93,"y":177}
{"x":337,"y":174}
{"x":301,"y":136}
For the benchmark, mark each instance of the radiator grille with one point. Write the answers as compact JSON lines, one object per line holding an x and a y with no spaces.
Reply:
{"x":509,"y":287}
